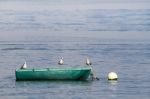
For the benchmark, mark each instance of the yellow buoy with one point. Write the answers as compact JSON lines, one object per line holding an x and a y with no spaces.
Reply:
{"x":112,"y":76}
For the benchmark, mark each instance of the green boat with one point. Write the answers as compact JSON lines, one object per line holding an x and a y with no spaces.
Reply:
{"x":53,"y":74}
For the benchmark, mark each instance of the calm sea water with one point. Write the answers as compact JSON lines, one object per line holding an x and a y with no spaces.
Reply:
{"x":130,"y":61}
{"x":39,"y":33}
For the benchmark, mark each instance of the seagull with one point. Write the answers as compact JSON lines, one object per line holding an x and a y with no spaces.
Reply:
{"x":88,"y":62}
{"x":24,"y":66}
{"x":61,"y":61}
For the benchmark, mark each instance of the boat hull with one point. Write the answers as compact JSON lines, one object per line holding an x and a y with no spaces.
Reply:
{"x":53,"y":74}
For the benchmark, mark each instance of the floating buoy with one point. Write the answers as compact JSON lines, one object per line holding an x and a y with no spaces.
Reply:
{"x":112,"y":76}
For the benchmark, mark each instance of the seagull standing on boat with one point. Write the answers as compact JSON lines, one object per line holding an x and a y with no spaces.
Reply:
{"x":24,"y":66}
{"x":88,"y":62}
{"x":61,"y":61}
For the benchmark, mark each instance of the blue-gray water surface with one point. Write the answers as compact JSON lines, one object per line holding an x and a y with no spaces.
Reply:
{"x":39,"y":33}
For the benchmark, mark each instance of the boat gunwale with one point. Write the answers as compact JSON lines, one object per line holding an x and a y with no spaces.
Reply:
{"x":60,"y":69}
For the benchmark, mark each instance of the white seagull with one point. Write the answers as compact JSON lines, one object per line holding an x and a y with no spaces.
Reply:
{"x":61,"y":61}
{"x":24,"y":66}
{"x":88,"y":62}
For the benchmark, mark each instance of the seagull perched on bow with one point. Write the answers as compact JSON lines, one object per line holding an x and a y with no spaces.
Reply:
{"x":88,"y":61}
{"x":61,"y":61}
{"x":24,"y":66}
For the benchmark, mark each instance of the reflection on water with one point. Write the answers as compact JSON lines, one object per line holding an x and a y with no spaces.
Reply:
{"x":113,"y":82}
{"x":50,"y":84}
